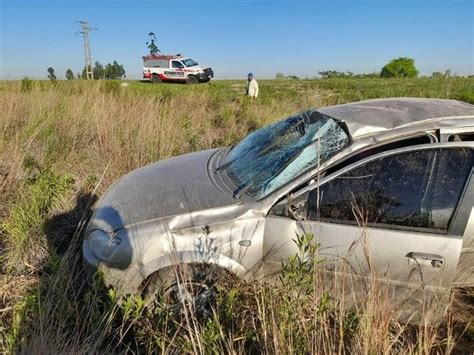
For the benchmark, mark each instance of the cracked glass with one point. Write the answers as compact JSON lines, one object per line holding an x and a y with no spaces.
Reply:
{"x":275,"y":154}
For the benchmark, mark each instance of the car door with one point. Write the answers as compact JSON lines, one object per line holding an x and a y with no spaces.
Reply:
{"x":394,"y":216}
{"x":177,"y":69}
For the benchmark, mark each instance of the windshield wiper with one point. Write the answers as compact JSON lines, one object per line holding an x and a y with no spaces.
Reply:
{"x":242,"y":188}
{"x":229,"y":163}
{"x":224,"y":166}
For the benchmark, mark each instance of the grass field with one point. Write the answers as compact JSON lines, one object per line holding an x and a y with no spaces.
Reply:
{"x":62,"y":145}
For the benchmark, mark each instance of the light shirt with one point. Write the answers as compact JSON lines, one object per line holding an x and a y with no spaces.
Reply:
{"x":252,"y":88}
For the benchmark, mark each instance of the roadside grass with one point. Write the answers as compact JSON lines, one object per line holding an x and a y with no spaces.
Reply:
{"x":62,"y":145}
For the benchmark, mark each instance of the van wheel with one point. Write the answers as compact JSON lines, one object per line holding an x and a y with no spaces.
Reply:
{"x":155,"y":79}
{"x":191,"y":80}
{"x":187,"y":288}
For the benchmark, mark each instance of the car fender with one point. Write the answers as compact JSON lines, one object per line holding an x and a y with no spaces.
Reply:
{"x":193,"y":257}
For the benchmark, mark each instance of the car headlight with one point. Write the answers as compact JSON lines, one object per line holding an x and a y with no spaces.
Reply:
{"x":102,"y":244}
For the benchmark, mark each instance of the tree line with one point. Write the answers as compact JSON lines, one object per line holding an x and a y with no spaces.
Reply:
{"x":402,"y":67}
{"x":111,"y":71}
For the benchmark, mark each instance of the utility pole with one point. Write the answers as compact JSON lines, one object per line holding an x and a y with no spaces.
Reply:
{"x":87,"y":49}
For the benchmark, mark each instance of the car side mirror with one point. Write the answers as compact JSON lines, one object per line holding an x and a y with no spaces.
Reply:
{"x":295,"y":208}
{"x":297,"y":211}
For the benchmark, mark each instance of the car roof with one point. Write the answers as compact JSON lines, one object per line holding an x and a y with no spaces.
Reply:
{"x":162,"y":57}
{"x":371,"y":116}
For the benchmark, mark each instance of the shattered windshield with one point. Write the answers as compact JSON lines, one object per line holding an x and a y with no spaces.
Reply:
{"x":189,"y":62}
{"x":275,"y":154}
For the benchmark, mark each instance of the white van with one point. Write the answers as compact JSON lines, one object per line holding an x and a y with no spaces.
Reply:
{"x":174,"y":68}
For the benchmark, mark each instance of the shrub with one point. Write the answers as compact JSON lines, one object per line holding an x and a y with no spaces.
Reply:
{"x":26,"y":84}
{"x":24,"y":237}
{"x":111,"y":87}
{"x":400,"y":68}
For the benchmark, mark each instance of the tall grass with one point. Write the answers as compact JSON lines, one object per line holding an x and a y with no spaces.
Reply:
{"x":61,"y":145}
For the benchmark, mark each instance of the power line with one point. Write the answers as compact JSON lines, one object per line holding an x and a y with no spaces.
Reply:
{"x":87,"y":49}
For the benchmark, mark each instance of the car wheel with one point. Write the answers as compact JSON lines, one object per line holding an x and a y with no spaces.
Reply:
{"x":155,"y":79}
{"x":188,"y":288}
{"x":192,"y":80}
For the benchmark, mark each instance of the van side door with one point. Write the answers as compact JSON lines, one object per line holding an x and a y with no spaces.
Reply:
{"x":177,"y":70}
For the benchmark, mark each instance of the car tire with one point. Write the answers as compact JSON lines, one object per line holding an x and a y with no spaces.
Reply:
{"x":182,"y":288}
{"x":155,"y":79}
{"x":191,"y":79}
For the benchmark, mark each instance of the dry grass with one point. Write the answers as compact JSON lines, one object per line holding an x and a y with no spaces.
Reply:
{"x":61,"y":145}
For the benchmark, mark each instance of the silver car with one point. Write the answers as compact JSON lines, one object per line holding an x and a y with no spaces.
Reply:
{"x":391,"y":178}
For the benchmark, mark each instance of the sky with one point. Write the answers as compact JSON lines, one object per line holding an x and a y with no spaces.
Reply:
{"x":236,"y":37}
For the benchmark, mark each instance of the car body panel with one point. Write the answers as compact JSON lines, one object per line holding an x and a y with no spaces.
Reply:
{"x":181,"y":211}
{"x":371,"y":116}
{"x":233,"y":241}
{"x":465,"y":271}
{"x":370,"y":249}
{"x":169,"y":187}
{"x":384,"y":251}
{"x":367,"y":252}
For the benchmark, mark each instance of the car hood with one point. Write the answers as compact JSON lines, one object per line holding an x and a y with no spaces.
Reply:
{"x":175,"y":186}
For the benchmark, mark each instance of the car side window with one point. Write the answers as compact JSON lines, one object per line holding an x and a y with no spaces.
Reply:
{"x":410,"y":190}
{"x":176,"y":64}
{"x":461,"y":137}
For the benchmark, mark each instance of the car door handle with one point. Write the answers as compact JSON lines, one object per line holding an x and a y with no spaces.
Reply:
{"x":425,"y":260}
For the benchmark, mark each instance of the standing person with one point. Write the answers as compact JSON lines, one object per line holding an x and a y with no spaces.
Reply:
{"x":251,"y":89}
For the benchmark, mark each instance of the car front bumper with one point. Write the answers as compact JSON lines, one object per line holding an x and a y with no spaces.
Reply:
{"x":207,"y":75}
{"x":123,"y":280}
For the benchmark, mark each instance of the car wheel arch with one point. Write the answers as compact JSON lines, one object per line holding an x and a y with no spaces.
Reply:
{"x":188,"y":258}
{"x":192,"y":79}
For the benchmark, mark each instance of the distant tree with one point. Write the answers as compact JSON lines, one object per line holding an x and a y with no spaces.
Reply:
{"x":120,"y":70}
{"x":114,"y":71}
{"x":109,"y":71}
{"x":279,"y":76}
{"x":293,"y":77}
{"x":99,"y":71}
{"x":51,"y":74}
{"x":153,"y":48}
{"x":438,"y":74}
{"x":402,"y":67}
{"x":69,"y":74}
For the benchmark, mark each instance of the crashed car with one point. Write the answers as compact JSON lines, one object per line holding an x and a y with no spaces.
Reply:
{"x":397,"y":172}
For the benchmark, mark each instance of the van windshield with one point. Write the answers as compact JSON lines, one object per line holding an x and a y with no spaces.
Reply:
{"x":189,"y":62}
{"x":275,"y":154}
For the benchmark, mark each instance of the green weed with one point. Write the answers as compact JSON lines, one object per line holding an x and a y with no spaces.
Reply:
{"x":26,"y":84}
{"x":20,"y":311}
{"x":22,"y":230}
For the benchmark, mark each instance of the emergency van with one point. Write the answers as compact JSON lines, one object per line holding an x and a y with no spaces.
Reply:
{"x":174,"y":68}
